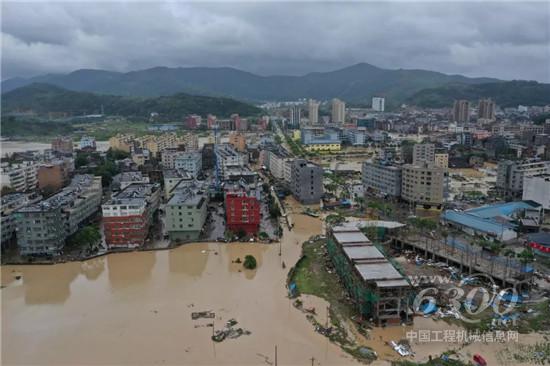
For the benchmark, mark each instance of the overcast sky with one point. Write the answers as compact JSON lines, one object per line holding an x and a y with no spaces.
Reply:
{"x":508,"y":40}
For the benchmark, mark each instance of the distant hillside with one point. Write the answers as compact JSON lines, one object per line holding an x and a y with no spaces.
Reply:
{"x":506,"y":94}
{"x":44,"y":98}
{"x":357,"y":83}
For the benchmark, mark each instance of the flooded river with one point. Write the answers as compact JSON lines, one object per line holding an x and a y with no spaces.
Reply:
{"x":10,"y":147}
{"x":135,"y":308}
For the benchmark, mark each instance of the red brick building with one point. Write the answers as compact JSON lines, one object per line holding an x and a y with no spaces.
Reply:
{"x":242,"y":212}
{"x":129,"y":214}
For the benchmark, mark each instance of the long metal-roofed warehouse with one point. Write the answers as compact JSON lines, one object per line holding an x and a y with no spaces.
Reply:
{"x":376,"y":287}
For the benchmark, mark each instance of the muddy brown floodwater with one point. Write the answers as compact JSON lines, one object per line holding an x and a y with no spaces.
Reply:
{"x":135,"y":308}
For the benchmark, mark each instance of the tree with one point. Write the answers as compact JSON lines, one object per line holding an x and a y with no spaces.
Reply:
{"x":249,"y":262}
{"x":87,"y":237}
{"x":6,"y":190}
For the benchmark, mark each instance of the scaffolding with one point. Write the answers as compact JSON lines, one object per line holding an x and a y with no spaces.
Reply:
{"x":377,"y":289}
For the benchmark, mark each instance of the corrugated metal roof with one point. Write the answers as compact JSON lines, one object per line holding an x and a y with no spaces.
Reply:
{"x":363,"y":252}
{"x":378,"y":271}
{"x":351,"y":237}
{"x":392,"y":283}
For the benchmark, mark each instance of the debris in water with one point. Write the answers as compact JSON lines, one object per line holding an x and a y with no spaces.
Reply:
{"x":202,"y":314}
{"x":229,"y":331}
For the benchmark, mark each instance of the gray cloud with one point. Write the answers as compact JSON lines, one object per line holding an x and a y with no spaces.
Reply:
{"x":508,"y":40}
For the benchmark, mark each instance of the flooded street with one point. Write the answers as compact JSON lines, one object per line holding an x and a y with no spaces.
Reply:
{"x":135,"y":308}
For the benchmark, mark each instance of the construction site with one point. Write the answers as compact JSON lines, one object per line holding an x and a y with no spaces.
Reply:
{"x":378,"y":290}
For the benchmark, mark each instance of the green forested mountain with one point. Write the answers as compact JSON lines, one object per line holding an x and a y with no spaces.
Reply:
{"x":357,"y":83}
{"x":506,"y":94}
{"x":44,"y":98}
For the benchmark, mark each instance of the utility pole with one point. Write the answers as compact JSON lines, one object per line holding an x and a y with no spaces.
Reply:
{"x":275,"y":355}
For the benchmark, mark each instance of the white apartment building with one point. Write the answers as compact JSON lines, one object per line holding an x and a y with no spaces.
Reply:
{"x":338,"y":111}
{"x":537,"y":188}
{"x":191,"y":162}
{"x":22,"y":177}
{"x":378,"y":104}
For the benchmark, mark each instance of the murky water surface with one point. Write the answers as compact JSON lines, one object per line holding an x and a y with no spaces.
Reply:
{"x":135,"y":308}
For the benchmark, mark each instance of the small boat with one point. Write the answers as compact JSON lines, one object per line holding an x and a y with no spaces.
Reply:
{"x":480,"y":361}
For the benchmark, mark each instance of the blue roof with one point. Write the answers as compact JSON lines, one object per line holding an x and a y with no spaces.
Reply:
{"x":475,"y":222}
{"x":500,"y":209}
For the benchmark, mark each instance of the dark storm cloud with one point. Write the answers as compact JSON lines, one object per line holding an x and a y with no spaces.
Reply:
{"x":500,"y":39}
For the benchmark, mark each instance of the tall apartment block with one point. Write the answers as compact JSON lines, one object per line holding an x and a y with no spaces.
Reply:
{"x":486,"y":109}
{"x":382,"y":177}
{"x":338,"y":111}
{"x":423,"y":153}
{"x":306,"y":181}
{"x":378,"y":104}
{"x":313,"y":111}
{"x":461,"y":111}
{"x":43,"y":227}
{"x":423,"y":184}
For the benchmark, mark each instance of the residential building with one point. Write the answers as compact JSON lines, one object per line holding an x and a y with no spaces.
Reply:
{"x":55,"y":174}
{"x":169,"y":156}
{"x":43,"y":227}
{"x":124,"y":179}
{"x":193,"y":121}
{"x":423,"y":184}
{"x":129,"y":214}
{"x":306,"y":181}
{"x":87,"y":143}
{"x":186,"y":214}
{"x":63,"y":145}
{"x":10,"y":204}
{"x":486,"y":109}
{"x":242,"y":208}
{"x":21,"y":177}
{"x":313,"y":111}
{"x":140,"y":156}
{"x":511,"y":174}
{"x":157,"y":143}
{"x":423,"y":153}
{"x":537,"y":188}
{"x":279,"y":164}
{"x":461,"y":111}
{"x":175,"y":178}
{"x":122,"y":142}
{"x":382,"y":177}
{"x":191,"y":162}
{"x":338,"y":111}
{"x":378,"y":104}
{"x":211,"y":121}
{"x":295,"y":115}
{"x":227,"y":156}
{"x":238,"y":140}
{"x":441,"y":160}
